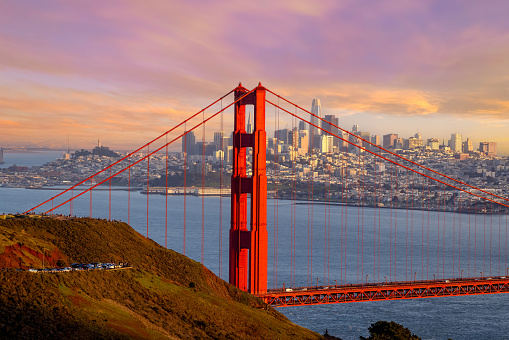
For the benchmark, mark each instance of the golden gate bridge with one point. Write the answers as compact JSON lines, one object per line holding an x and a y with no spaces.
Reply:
{"x":358,"y":184}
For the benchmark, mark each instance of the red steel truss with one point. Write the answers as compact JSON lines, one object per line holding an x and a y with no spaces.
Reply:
{"x":306,"y":296}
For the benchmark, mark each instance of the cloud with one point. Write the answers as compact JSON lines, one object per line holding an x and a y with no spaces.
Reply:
{"x":136,"y":66}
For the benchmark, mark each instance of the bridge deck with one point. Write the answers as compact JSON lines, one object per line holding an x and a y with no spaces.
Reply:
{"x":317,"y":295}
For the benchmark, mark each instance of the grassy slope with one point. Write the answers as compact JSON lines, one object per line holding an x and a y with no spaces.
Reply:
{"x":153,"y":300}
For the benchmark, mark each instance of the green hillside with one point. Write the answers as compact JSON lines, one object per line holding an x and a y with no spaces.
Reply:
{"x":165,"y":295}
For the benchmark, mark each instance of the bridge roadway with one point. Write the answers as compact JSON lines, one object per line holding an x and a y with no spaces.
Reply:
{"x":317,"y":295}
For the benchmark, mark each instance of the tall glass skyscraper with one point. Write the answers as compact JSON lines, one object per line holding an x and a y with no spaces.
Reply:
{"x":316,"y":109}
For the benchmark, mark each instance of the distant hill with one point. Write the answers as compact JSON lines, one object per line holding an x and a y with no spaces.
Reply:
{"x":165,"y":295}
{"x":98,"y":150}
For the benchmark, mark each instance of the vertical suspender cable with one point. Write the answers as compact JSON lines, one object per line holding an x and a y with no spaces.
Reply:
{"x":453,"y":197}
{"x":475,"y":237}
{"x":427,"y":242}
{"x":203,"y":193}
{"x":312,"y":218}
{"x":148,"y":179}
{"x":275,"y":180}
{"x":185,"y":187}
{"x":293,"y":211}
{"x":491,"y":229}
{"x":422,"y":230}
{"x":329,"y":227}
{"x":341,"y":176}
{"x":443,"y":240}
{"x":438,"y":236}
{"x":396,"y":223}
{"x":358,"y":220}
{"x":221,"y":169}
{"x":375,"y":201}
{"x":70,"y":203}
{"x":390,"y":229}
{"x":129,"y":192}
{"x":325,"y":232}
{"x":412,"y":228}
{"x":346,"y":212}
{"x":362,"y":214}
{"x":499,"y":237}
{"x":91,"y":185}
{"x":309,"y":204}
{"x":459,"y":234}
{"x":499,"y":243}
{"x":166,"y":196}
{"x":406,"y":231}
{"x":484,"y":241}
{"x":379,"y":217}
{"x":109,"y":199}
{"x":469,"y":211}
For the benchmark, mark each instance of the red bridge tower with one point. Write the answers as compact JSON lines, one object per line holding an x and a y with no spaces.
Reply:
{"x":254,"y":240}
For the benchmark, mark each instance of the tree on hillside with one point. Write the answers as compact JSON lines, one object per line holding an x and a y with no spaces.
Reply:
{"x":384,"y":330}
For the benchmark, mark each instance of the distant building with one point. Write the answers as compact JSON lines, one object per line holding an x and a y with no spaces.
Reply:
{"x":316,"y":109}
{"x":375,"y":139}
{"x":293,"y":138}
{"x":218,"y":138}
{"x":455,"y":142}
{"x":461,"y":156}
{"x":189,"y":143}
{"x":326,"y":144}
{"x":366,"y":136}
{"x":249,"y":128}
{"x":434,"y":143}
{"x":303,"y":145}
{"x":488,"y":148}
{"x":282,"y":135}
{"x":389,"y":140}
{"x":399,"y":143}
{"x":468,"y":146}
{"x":412,"y":143}
{"x":327,"y":126}
{"x":2,"y":156}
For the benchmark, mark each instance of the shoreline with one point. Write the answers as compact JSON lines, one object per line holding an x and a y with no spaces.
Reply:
{"x":297,"y":201}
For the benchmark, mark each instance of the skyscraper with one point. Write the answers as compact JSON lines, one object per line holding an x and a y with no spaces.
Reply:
{"x":249,"y":125}
{"x":488,"y":148}
{"x":389,"y":140}
{"x":316,"y":109}
{"x":468,"y":146}
{"x":327,"y":126}
{"x":189,"y":143}
{"x":455,"y":142}
{"x":218,"y":137}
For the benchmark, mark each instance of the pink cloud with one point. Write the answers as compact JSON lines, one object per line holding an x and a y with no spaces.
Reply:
{"x":384,"y":57}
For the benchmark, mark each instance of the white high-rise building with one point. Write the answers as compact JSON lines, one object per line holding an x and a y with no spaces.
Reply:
{"x":455,"y":142}
{"x":326,"y":144}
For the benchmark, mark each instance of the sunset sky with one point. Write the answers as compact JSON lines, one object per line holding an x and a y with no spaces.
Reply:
{"x":125,"y":71}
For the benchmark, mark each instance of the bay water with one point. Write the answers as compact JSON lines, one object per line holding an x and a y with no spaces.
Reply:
{"x":367,"y":244}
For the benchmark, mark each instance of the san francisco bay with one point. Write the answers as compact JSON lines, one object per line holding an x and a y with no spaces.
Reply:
{"x":384,"y":258}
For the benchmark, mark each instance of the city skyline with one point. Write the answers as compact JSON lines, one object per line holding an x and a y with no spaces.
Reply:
{"x":124,"y":72}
